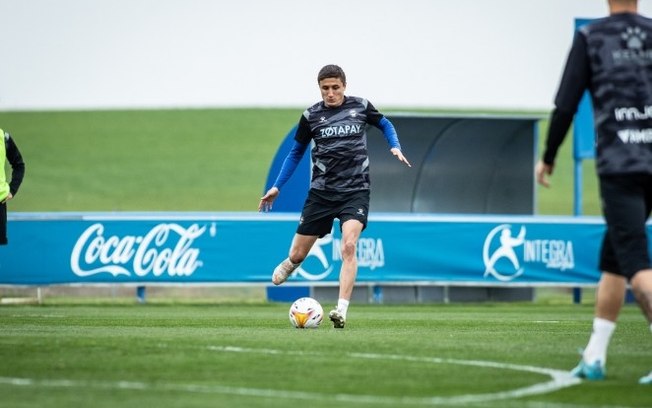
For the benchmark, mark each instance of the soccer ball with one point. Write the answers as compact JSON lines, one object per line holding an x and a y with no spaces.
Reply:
{"x":306,"y":313}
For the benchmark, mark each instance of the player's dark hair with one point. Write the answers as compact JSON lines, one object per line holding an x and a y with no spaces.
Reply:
{"x":331,"y":71}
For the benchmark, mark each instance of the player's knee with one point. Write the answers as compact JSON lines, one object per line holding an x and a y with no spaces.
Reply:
{"x":297,"y":256}
{"x":348,"y":249}
{"x":643,"y":297}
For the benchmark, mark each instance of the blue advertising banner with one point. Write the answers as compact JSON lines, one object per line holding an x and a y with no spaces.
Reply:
{"x":244,"y":248}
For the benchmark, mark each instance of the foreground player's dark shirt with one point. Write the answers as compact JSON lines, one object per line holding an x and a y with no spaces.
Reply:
{"x":612,"y":58}
{"x":339,"y":157}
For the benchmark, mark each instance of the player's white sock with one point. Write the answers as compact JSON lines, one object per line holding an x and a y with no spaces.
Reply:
{"x":343,"y":307}
{"x":599,"y":341}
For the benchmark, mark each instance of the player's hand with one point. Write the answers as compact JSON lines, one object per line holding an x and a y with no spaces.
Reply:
{"x":266,"y":201}
{"x":399,"y":155}
{"x":9,"y":197}
{"x":542,"y":171}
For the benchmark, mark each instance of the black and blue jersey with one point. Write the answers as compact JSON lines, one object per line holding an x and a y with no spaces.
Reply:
{"x":612,"y":58}
{"x":340,"y":162}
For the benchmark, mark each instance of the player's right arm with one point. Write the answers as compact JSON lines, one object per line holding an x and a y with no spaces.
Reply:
{"x":289,"y":165}
{"x":287,"y":169}
{"x":574,"y":82}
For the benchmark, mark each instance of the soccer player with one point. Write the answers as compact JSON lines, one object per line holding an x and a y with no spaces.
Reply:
{"x":8,"y":153}
{"x":612,"y":58}
{"x":339,"y":187}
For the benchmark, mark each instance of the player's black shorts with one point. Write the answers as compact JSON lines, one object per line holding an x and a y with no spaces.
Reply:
{"x":626,"y":203}
{"x":322,"y":207}
{"x":3,"y":223}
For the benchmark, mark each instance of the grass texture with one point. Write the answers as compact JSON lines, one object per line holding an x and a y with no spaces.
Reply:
{"x":247,"y":355}
{"x":158,"y":160}
{"x":183,"y":160}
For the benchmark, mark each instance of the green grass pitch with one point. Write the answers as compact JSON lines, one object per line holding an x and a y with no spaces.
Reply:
{"x":247,"y":355}
{"x":103,"y":354}
{"x":184,"y":160}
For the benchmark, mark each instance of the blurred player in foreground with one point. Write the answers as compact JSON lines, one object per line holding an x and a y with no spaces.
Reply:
{"x":340,"y":178}
{"x":8,"y":153}
{"x":612,"y":58}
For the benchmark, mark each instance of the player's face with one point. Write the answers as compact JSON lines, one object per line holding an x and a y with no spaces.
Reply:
{"x":332,"y":91}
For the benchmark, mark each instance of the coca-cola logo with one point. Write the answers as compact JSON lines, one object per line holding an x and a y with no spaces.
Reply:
{"x":165,"y":249}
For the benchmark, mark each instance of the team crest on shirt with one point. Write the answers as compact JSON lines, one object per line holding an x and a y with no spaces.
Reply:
{"x":634,"y":50}
{"x":353,"y":113}
{"x":634,"y":37}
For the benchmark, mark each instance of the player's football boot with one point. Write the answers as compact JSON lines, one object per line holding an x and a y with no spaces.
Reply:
{"x":283,"y":271}
{"x":337,"y":318}
{"x":590,"y":372}
{"x":646,"y":379}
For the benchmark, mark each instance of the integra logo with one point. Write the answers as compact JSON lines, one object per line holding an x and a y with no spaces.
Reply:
{"x":505,"y":253}
{"x":165,"y":249}
{"x":506,"y":250}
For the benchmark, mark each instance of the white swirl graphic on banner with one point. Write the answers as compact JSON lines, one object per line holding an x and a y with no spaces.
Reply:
{"x":370,"y":254}
{"x":505,"y":250}
{"x":318,"y":252}
{"x":166,"y":248}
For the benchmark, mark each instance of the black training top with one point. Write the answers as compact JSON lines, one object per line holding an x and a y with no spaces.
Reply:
{"x":15,"y":160}
{"x":612,"y":58}
{"x":339,"y":157}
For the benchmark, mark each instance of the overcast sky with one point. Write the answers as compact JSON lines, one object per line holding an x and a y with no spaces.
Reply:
{"x":501,"y":54}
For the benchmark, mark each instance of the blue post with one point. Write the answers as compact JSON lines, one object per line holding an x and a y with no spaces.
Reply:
{"x":583,"y":148}
{"x":378,"y":294}
{"x":140,"y":294}
{"x":577,"y":296}
{"x":577,"y":211}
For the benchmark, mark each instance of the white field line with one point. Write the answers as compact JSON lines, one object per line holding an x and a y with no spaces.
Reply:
{"x":558,"y":380}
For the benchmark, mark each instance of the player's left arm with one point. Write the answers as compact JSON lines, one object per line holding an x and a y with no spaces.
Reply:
{"x":392,"y":139}
{"x":389,"y":131}
{"x":16,"y":162}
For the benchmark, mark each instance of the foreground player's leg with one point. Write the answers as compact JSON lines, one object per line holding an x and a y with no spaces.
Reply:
{"x":351,"y":230}
{"x":642,"y":288}
{"x":609,"y":301}
{"x":301,"y":245}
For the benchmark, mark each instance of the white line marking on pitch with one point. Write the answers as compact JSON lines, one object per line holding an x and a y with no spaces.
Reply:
{"x":559,"y":379}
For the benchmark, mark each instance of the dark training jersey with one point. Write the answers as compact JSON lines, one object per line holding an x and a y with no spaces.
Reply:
{"x":339,"y":156}
{"x":612,"y":58}
{"x":15,"y":160}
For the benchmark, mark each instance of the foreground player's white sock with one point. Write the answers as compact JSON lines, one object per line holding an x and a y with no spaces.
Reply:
{"x":599,"y":341}
{"x":343,"y":307}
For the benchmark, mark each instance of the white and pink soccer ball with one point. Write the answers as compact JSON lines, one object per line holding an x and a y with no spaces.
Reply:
{"x":306,"y":313}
